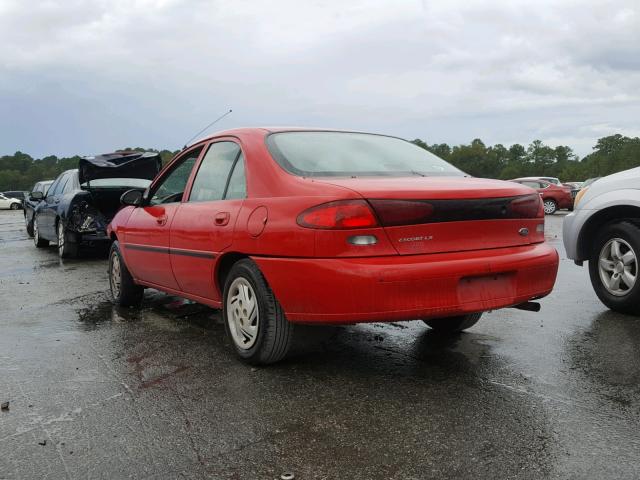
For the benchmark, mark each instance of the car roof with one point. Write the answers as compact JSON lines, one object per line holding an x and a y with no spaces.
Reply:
{"x":263,"y":131}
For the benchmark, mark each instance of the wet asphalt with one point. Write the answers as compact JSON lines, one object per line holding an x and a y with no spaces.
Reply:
{"x":98,"y":392}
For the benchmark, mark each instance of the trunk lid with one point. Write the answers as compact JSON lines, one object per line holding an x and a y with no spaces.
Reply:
{"x":450,"y":214}
{"x":127,"y":164}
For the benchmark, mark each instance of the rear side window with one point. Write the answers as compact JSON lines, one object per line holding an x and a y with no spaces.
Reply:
{"x":58,"y":185}
{"x":71,"y":184}
{"x":237,"y":187}
{"x":211,"y":180}
{"x":535,"y":185}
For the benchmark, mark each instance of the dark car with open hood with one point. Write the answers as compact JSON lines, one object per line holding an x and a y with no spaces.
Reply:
{"x":80,"y":203}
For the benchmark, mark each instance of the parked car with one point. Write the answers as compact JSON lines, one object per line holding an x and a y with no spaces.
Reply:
{"x":80,"y":203}
{"x":554,"y":197}
{"x":30,"y":203}
{"x":19,"y":194}
{"x":281,"y":226}
{"x":10,"y":203}
{"x":604,"y":230}
{"x":554,"y":180}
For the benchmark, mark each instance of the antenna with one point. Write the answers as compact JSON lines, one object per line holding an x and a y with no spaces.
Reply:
{"x":207,"y":127}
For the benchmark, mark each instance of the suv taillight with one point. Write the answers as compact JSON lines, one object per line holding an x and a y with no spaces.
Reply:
{"x":339,"y":215}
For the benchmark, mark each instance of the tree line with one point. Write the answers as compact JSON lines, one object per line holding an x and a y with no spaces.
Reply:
{"x":611,"y":154}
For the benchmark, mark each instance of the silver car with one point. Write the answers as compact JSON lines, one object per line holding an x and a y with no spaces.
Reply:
{"x":604,"y":230}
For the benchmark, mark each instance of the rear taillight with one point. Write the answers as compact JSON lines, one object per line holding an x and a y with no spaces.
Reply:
{"x":402,"y":212}
{"x":528,"y":206}
{"x":340,"y":215}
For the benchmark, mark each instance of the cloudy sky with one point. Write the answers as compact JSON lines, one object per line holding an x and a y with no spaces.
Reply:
{"x":91,"y":76}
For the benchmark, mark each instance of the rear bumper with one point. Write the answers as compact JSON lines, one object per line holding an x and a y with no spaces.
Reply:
{"x":373,"y":289}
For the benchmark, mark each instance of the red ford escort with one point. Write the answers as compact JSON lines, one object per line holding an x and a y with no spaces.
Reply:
{"x":285,"y":226}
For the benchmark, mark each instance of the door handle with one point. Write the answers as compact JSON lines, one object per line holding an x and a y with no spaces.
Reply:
{"x":222,"y":218}
{"x":161,"y":220}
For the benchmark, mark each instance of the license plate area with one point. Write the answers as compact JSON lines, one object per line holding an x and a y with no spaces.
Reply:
{"x":487,"y":287}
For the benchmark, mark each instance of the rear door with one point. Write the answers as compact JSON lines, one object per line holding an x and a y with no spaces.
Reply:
{"x":203,"y":225}
{"x":146,"y":235}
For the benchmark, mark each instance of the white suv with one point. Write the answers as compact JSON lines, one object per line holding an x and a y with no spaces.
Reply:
{"x":604,"y":230}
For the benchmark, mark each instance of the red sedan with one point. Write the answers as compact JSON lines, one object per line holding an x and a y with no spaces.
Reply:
{"x":554,"y":197}
{"x":282,"y":226}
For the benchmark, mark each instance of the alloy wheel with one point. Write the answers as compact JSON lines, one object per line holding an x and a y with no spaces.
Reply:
{"x":549,"y":207}
{"x":242,"y":313}
{"x":115,"y":275}
{"x":60,"y":238}
{"x":36,"y":235}
{"x":618,"y":267}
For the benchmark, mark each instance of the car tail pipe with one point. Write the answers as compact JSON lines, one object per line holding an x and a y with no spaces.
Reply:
{"x":528,"y":306}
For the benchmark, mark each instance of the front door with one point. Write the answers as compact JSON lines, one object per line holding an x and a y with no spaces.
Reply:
{"x":203,"y":225}
{"x":146,"y":237}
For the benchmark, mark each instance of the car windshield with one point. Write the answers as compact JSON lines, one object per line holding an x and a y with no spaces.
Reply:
{"x":316,"y":153}
{"x":118,"y":182}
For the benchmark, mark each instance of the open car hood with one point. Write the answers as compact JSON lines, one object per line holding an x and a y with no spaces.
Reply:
{"x":145,"y":165}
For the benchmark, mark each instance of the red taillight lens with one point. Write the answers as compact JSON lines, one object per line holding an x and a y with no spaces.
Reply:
{"x":340,"y":215}
{"x":528,"y":206}
{"x":402,"y":212}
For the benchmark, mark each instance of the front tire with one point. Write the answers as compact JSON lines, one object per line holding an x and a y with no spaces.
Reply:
{"x":124,"y":291}
{"x":29,"y":225}
{"x":253,"y":318}
{"x":613,"y":267}
{"x":66,"y":249}
{"x":15,"y":206}
{"x":550,"y":206}
{"x":451,"y":325}
{"x":37,"y":241}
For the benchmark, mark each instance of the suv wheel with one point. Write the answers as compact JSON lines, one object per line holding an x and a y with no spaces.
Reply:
{"x":38,"y":242}
{"x":550,"y":206}
{"x":253,"y":318}
{"x":451,"y":325}
{"x":613,"y":267}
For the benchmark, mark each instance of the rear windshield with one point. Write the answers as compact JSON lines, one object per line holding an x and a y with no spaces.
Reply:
{"x":339,"y":154}
{"x":118,"y":182}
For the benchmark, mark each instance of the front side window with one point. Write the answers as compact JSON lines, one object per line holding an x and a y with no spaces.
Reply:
{"x":340,"y":154}
{"x":211,"y":180}
{"x":172,"y":186}
{"x":58,"y":185}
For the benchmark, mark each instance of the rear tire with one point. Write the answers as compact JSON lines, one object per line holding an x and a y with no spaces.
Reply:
{"x":124,"y":291}
{"x":254,"y":321}
{"x":15,"y":206}
{"x":66,"y":249}
{"x":38,"y":242}
{"x":618,"y":266}
{"x":550,"y":206}
{"x":450,"y":325}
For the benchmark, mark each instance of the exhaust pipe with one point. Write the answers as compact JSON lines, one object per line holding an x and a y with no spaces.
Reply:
{"x":528,"y":306}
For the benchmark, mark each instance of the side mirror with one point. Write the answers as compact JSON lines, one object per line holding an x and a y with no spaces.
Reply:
{"x":36,"y":196}
{"x":131,"y":197}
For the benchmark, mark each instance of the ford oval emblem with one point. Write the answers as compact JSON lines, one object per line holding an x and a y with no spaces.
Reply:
{"x":524,"y":231}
